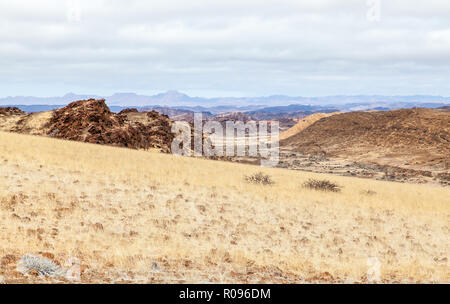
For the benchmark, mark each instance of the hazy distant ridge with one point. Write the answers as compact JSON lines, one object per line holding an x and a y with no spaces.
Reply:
{"x":174,"y":98}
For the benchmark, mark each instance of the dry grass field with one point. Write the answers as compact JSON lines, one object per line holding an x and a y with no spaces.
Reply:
{"x":147,"y":217}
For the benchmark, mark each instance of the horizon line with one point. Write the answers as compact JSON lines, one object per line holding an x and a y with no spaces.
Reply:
{"x":219,"y":97}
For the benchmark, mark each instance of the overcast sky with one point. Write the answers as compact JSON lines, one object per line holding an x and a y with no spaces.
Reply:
{"x":225,"y":47}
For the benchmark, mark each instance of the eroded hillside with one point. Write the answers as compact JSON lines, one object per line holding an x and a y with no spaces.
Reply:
{"x":92,"y":121}
{"x":405,"y":142}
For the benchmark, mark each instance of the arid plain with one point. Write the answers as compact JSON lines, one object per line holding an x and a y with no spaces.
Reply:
{"x":148,"y":217}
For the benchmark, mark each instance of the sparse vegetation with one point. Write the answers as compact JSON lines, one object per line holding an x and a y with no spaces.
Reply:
{"x":54,"y":192}
{"x":259,"y":178}
{"x":39,"y":264}
{"x":321,"y":185}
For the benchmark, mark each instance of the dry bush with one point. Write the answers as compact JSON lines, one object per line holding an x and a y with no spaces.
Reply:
{"x":41,"y":265}
{"x":259,"y":178}
{"x":321,"y":185}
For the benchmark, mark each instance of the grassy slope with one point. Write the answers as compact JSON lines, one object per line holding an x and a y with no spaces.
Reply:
{"x":149,"y":217}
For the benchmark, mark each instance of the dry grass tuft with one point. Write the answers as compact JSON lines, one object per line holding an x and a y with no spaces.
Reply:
{"x":259,"y":178}
{"x":321,"y":185}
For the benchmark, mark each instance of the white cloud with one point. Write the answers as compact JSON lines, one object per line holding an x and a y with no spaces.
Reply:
{"x":251,"y":47}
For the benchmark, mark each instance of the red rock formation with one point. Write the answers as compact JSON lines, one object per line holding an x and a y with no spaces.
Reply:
{"x":91,"y":121}
{"x":9,"y":111}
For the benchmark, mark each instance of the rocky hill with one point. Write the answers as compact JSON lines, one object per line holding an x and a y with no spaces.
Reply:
{"x":233,"y":116}
{"x":409,"y":138}
{"x":10,"y":111}
{"x":92,"y":121}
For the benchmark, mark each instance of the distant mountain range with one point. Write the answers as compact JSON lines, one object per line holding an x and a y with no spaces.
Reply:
{"x":175,"y":99}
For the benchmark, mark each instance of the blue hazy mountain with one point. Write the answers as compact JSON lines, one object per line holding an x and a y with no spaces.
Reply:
{"x":223,"y":104}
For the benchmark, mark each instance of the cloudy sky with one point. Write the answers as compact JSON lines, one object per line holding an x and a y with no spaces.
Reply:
{"x":225,"y":47}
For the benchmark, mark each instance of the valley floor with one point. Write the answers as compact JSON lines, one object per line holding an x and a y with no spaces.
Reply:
{"x":363,"y":168}
{"x":144,"y":217}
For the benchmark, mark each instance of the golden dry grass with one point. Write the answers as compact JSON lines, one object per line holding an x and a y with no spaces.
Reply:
{"x":136,"y":216}
{"x":33,"y":123}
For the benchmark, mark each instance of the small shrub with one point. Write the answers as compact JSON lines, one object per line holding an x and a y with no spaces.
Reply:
{"x":259,"y":178}
{"x":43,"y":266}
{"x":321,"y":185}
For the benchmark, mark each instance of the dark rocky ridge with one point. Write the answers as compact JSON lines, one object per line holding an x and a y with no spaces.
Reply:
{"x":92,"y":121}
{"x":9,"y":111}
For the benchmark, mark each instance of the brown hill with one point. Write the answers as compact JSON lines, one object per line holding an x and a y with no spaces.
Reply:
{"x":411,"y":138}
{"x":233,"y":116}
{"x":304,"y":123}
{"x":92,"y":121}
{"x":286,"y":123}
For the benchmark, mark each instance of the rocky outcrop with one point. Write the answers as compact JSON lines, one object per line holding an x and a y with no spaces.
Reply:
{"x":125,"y":111}
{"x":92,"y":121}
{"x":10,"y":111}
